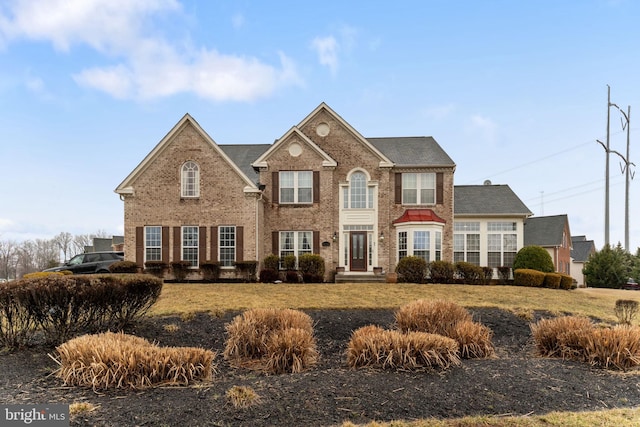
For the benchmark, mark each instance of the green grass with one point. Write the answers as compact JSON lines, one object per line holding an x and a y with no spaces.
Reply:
{"x":186,"y":298}
{"x":180,"y":298}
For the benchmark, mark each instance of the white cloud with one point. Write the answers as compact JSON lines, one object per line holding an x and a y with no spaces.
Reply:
{"x":146,"y":66}
{"x":327,"y":49}
{"x":5,"y":223}
{"x":485,"y":126}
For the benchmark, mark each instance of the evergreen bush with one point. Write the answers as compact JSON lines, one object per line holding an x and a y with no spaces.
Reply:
{"x":412,"y":269}
{"x":441,"y":272}
{"x":311,"y":266}
{"x":534,"y":258}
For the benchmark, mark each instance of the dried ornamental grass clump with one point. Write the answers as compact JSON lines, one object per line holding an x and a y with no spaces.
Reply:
{"x":547,"y":333}
{"x":450,"y":320}
{"x":119,"y":360}
{"x":242,"y":396}
{"x":578,"y":339}
{"x":273,"y":340}
{"x":374,"y":346}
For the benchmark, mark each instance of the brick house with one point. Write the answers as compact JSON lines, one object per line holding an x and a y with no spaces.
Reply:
{"x":322,"y":187}
{"x":553,"y":234}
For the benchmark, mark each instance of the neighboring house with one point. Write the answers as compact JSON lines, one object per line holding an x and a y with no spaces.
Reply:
{"x":488,"y":224}
{"x":553,"y":234}
{"x":581,"y":249}
{"x":103,"y":244}
{"x":361,"y":203}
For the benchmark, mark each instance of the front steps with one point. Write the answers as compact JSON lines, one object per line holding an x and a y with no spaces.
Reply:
{"x":360,"y":278}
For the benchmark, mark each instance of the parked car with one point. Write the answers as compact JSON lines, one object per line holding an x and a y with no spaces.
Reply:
{"x":632,"y":284}
{"x":91,"y":262}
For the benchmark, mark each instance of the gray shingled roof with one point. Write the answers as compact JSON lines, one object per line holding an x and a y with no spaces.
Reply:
{"x":581,"y":248}
{"x":487,"y":200}
{"x":544,"y":230}
{"x":412,"y":151}
{"x":245,"y":154}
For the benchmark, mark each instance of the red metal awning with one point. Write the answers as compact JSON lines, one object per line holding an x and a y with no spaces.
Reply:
{"x":419,"y":215}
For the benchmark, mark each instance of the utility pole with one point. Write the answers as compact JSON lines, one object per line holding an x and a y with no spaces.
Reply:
{"x":628,"y":173}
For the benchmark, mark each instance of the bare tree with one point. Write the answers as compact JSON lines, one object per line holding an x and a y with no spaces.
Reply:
{"x":80,"y":242}
{"x":64,"y":240}
{"x":8,"y":258}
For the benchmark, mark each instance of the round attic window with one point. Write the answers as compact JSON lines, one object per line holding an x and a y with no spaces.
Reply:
{"x":323,"y":129}
{"x":295,"y":149}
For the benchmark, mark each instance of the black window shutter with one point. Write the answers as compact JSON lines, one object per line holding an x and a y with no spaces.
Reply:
{"x":177,"y":244}
{"x":165,"y":244}
{"x":275,"y":243}
{"x":214,"y":244}
{"x":316,"y":187}
{"x":316,"y":242}
{"x":398,"y":189}
{"x":140,"y":246}
{"x":202,"y":244}
{"x":239,"y":243}
{"x":275,"y":192}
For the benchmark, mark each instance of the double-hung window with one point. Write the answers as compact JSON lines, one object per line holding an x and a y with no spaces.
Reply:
{"x":227,"y":245}
{"x":296,"y":243}
{"x":466,"y":242}
{"x":502,"y":243}
{"x":426,"y":244}
{"x":418,"y":188}
{"x":153,"y":243}
{"x":296,"y":186}
{"x":358,"y":194}
{"x":190,"y":179}
{"x":190,"y":244}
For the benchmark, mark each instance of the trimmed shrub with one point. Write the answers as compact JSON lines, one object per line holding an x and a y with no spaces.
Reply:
{"x":311,"y":266}
{"x":487,"y":275}
{"x":504,"y":275}
{"x":374,"y":346}
{"x":180,"y":270}
{"x":210,"y":270}
{"x":64,"y":306}
{"x":534,"y":258}
{"x":567,"y":282}
{"x":289,"y":262}
{"x":469,"y":273}
{"x":271,"y":262}
{"x":116,"y":360}
{"x":441,"y":272}
{"x":292,"y":276}
{"x":46,"y":273}
{"x":552,"y":280}
{"x":247,"y":270}
{"x":412,"y":269}
{"x":256,"y":340}
{"x":269,"y":275}
{"x":626,"y":310}
{"x":156,"y":268}
{"x":124,"y":267}
{"x":528,"y":277}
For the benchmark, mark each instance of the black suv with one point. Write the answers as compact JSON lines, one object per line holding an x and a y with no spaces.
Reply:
{"x":91,"y":262}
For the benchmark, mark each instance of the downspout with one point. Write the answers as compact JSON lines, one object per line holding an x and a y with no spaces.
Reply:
{"x":258,"y":200}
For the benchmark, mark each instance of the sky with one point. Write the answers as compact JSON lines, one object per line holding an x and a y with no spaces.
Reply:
{"x":514,"y":91}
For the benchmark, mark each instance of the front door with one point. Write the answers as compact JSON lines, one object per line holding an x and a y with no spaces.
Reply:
{"x":358,"y":251}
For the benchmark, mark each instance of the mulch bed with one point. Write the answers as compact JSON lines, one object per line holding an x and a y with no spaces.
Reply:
{"x":515,"y":382}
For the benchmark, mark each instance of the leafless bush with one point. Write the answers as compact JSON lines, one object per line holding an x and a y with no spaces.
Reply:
{"x":626,"y":310}
{"x":435,"y":317}
{"x":474,"y":340}
{"x":547,"y":333}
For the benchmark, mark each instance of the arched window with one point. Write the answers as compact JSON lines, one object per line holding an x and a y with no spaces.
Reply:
{"x":358,"y":191}
{"x":190,"y":177}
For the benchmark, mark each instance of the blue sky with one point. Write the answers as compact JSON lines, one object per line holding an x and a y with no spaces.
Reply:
{"x":514,"y":91}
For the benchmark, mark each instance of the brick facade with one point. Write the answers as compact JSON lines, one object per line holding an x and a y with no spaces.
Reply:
{"x":324,"y":144}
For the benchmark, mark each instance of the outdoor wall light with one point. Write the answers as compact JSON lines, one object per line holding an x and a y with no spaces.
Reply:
{"x":382,"y":236}
{"x":335,"y":236}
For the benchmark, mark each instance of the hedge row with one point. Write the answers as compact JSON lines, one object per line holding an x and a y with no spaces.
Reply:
{"x":413,"y":269}
{"x":538,"y":279}
{"x":62,"y":306}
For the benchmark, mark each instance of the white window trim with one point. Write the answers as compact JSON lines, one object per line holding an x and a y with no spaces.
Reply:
{"x":220,"y":247}
{"x":159,"y":247}
{"x":410,"y":228}
{"x":419,"y":189}
{"x":196,"y":247}
{"x":185,"y":191}
{"x":296,"y":187}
